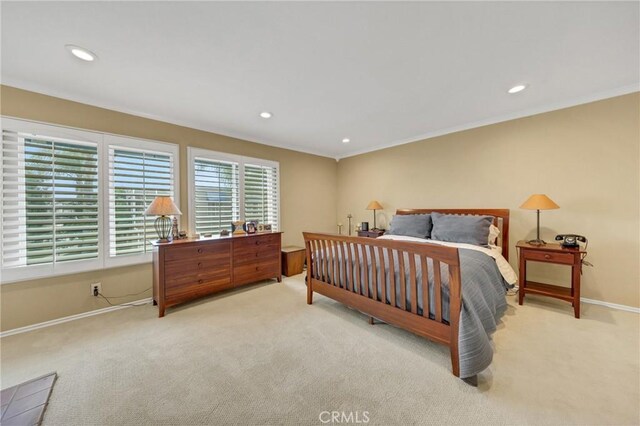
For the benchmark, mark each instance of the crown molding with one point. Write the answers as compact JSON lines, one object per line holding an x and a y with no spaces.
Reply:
{"x":620,"y":91}
{"x":31,"y":87}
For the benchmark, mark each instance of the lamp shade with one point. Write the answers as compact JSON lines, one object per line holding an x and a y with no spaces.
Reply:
{"x":374,"y":205}
{"x":539,"y":202}
{"x":162,"y":206}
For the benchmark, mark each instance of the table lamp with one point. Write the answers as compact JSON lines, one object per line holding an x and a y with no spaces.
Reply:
{"x":538,"y":202}
{"x":374,"y":205}
{"x":162,"y":207}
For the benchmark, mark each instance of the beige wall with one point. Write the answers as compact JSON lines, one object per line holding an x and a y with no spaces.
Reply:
{"x":586,"y":158}
{"x":304,"y":180}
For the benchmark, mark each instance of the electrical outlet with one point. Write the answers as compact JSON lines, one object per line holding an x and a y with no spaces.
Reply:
{"x":96,"y":288}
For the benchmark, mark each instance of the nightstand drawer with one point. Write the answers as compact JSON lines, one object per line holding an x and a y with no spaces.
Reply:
{"x":542,"y":256}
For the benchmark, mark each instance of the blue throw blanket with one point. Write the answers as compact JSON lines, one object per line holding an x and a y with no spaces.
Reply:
{"x":483,"y":298}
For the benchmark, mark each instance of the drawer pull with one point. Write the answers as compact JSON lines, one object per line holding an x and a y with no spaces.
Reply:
{"x":199,"y":264}
{"x":200,"y":281}
{"x":547,"y":256}
{"x":199,"y":250}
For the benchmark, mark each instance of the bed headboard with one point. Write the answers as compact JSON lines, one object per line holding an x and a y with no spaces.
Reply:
{"x":501,"y":221}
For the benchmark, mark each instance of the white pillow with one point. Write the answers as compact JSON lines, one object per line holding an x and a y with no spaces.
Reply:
{"x":494,"y":231}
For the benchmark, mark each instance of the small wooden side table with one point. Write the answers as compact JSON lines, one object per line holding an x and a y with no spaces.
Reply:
{"x":551,"y":253}
{"x":373,"y":233}
{"x":292,"y":260}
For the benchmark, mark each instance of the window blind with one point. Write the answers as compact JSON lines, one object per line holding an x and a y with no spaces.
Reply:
{"x":135,"y":179}
{"x":216,"y":198}
{"x":49,"y":200}
{"x":261,"y":194}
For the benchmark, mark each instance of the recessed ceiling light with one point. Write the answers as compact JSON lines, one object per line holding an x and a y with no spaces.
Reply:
{"x":346,"y":140}
{"x":265,"y":114}
{"x":81,"y":53}
{"x":518,"y":88}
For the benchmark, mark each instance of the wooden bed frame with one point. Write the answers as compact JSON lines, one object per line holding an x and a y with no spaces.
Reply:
{"x":337,"y":254}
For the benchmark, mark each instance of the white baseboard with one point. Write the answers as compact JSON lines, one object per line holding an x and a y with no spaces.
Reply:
{"x":73,"y":317}
{"x":514,"y":292}
{"x":611,"y":305}
{"x":148,"y":300}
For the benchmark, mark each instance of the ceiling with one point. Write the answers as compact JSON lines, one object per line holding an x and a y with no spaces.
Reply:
{"x":379,"y":73}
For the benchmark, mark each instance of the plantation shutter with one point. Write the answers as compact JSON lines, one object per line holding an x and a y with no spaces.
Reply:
{"x":261,"y":194}
{"x":216,"y":200}
{"x":135,"y":179}
{"x":14,"y":221}
{"x":50,"y":200}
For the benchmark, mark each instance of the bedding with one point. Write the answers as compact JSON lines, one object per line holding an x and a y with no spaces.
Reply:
{"x":494,"y":233}
{"x":483,"y":294}
{"x":415,"y":225}
{"x":470,"y":229}
{"x":507,"y":272}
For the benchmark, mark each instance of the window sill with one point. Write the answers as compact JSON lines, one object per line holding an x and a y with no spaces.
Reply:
{"x":41,"y":272}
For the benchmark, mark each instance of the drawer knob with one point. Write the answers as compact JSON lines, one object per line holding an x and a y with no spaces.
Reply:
{"x":256,"y":268}
{"x":547,"y":256}
{"x":199,"y":264}
{"x":199,"y":250}
{"x":200,"y":281}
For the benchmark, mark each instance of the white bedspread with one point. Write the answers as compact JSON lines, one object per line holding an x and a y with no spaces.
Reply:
{"x":495,"y":252}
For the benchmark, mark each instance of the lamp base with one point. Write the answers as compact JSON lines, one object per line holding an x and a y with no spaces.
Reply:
{"x":163,"y":228}
{"x":537,"y":242}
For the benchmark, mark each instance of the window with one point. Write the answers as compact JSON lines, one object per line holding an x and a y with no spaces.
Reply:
{"x":50,"y":200}
{"x":226,"y":188}
{"x":261,"y":193}
{"x":216,"y":195}
{"x":74,"y":200}
{"x":138,"y":171}
{"x":136,"y":177}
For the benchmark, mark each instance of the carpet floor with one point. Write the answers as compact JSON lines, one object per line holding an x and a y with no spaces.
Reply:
{"x":261,"y":356}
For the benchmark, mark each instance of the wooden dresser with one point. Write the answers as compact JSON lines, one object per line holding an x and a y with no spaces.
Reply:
{"x":187,"y":269}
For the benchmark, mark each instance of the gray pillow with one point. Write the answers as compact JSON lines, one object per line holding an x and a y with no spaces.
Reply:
{"x":411,"y":225}
{"x":461,"y":229}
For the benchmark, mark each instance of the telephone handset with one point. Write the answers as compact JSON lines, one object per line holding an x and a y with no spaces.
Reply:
{"x":570,"y":240}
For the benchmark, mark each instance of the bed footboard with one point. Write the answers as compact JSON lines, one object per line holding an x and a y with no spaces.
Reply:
{"x":352,"y":270}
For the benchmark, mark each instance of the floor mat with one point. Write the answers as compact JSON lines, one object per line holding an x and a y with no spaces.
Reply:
{"x":24,"y":404}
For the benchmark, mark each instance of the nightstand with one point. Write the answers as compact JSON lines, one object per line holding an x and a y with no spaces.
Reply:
{"x":373,"y":233}
{"x":551,"y":253}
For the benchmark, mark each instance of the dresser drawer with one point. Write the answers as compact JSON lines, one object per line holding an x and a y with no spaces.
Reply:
{"x":196,"y":264}
{"x":197,"y":277}
{"x":186,"y":291}
{"x":564,"y":258}
{"x":255,"y":241}
{"x":256,"y":271}
{"x":190,"y":251}
{"x":255,"y":254}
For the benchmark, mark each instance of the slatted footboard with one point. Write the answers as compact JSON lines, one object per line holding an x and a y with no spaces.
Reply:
{"x":361,"y":273}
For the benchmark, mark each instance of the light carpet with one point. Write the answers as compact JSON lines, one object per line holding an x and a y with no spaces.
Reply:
{"x":261,"y":355}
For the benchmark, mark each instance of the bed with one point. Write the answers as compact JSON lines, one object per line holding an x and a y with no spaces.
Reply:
{"x":450,"y":293}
